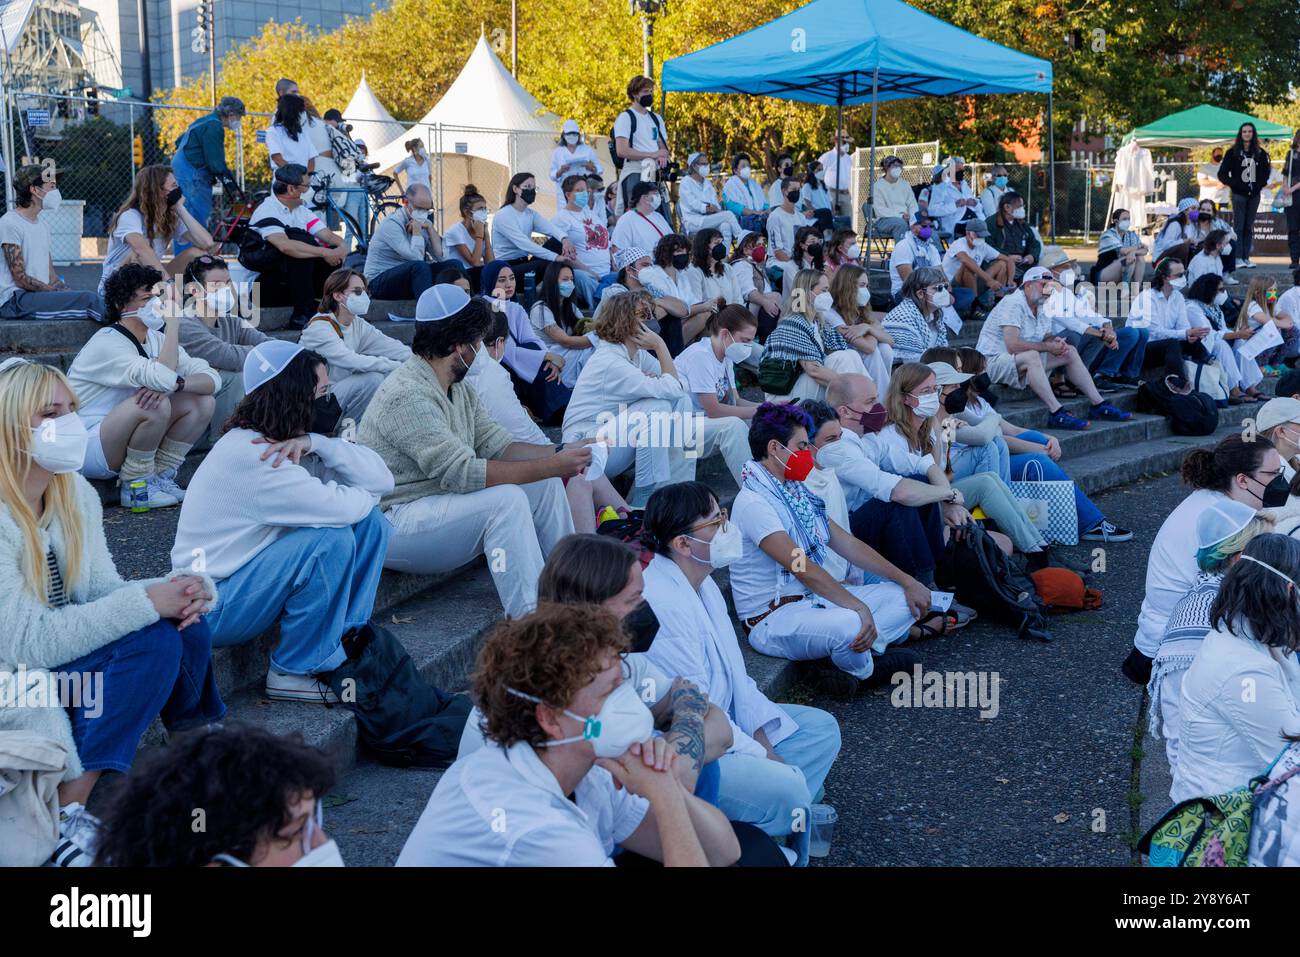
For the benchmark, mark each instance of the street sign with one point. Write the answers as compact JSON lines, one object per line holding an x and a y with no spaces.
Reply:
{"x":38,"y":117}
{"x":261,"y":136}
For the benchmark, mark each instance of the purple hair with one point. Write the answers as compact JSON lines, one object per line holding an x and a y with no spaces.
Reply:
{"x":776,"y":420}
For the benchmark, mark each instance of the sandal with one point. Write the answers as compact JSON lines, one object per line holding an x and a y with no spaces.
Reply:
{"x":1063,"y":390}
{"x":928,"y":631}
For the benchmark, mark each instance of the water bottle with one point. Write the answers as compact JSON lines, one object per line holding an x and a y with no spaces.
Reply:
{"x":139,"y":495}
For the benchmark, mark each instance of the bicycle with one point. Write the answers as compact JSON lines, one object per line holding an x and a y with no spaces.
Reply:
{"x":372,"y":186}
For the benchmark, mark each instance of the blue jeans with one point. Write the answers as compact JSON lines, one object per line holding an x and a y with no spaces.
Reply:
{"x":962,"y":298}
{"x":154,"y":671}
{"x":1089,"y":514}
{"x":770,"y":794}
{"x":993,"y":457}
{"x":319,"y":582}
{"x":590,"y":287}
{"x":196,"y":187}
{"x":753,"y":222}
{"x":1126,"y":359}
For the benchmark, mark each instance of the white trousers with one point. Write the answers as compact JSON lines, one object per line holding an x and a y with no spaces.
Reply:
{"x":650,"y":434}
{"x":813,"y":628}
{"x":1238,"y":373}
{"x":1171,"y":692}
{"x":355,"y":392}
{"x":724,"y":222}
{"x":728,"y":435}
{"x":879,"y":364}
{"x":514,"y":526}
{"x":806,"y":387}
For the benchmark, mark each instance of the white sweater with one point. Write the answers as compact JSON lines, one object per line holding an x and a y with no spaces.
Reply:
{"x":361,"y":348}
{"x":609,"y":379}
{"x":101,"y":609}
{"x":237,"y":504}
{"x":108,"y":369}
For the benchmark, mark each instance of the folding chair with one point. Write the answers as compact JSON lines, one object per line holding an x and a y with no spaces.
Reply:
{"x":879,"y":242}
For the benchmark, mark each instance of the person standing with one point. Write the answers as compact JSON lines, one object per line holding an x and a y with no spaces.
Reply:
{"x":837,"y":171}
{"x":1286,"y":198}
{"x":640,"y":141}
{"x":1207,"y":178}
{"x":200,"y":158}
{"x":1244,"y":171}
{"x":573,"y":157}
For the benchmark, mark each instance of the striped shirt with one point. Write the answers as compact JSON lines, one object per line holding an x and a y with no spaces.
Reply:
{"x":55,"y":594}
{"x":796,"y":338}
{"x":913,"y":333}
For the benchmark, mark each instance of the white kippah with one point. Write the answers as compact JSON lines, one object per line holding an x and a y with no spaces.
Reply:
{"x":266,"y":360}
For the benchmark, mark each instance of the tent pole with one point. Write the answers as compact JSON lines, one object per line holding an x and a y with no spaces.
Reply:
{"x":1051,"y":170}
{"x":871,"y":168}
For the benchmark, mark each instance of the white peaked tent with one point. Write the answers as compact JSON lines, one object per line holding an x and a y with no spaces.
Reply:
{"x":370,"y":121}
{"x":487,"y":127}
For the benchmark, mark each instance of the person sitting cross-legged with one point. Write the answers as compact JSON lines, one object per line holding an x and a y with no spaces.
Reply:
{"x":464,"y":486}
{"x":572,"y":769}
{"x":790,"y":606}
{"x":1021,"y":352}
{"x":145,"y":400}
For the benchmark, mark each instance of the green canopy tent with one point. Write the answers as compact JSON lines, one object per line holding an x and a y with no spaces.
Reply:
{"x":1203,"y":125}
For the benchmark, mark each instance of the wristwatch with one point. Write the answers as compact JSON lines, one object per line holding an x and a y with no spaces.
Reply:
{"x":180,"y":383}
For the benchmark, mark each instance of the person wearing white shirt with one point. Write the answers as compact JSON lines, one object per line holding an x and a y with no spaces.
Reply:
{"x":924,"y":316}
{"x":416,"y":167}
{"x":572,"y":157}
{"x":780,"y":754}
{"x":976,"y":268}
{"x":1206,"y":300}
{"x":783,"y":224}
{"x":1121,"y":256}
{"x":143,"y":399}
{"x":1178,"y":235}
{"x":747,"y":267}
{"x":586,"y":231}
{"x":287,"y":139}
{"x":837,"y":166}
{"x":642,"y":225}
{"x":707,"y":367}
{"x":846,"y":307}
{"x":640,"y":141}
{"x":285,"y":520}
{"x":469,"y":241}
{"x":1207,"y":221}
{"x":555,"y":318}
{"x":816,"y":201}
{"x":1016,"y":338}
{"x":666,"y":278}
{"x":1162,"y":311}
{"x":913,"y":249}
{"x":993,"y":191}
{"x":359,"y":355}
{"x":1279,"y":422}
{"x":782,"y":168}
{"x":1247,"y":472}
{"x":790,"y":606}
{"x":1207,"y":178}
{"x":710,"y":276}
{"x":893,"y":201}
{"x":297,"y":268}
{"x":743,"y":197}
{"x":630,"y":397}
{"x":952,"y":200}
{"x":697,"y":202}
{"x":513,"y":228}
{"x":1208,"y":260}
{"x":572,"y":798}
{"x":1226,"y":735}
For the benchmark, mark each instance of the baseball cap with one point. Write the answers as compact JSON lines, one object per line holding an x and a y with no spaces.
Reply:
{"x":976,"y":227}
{"x":1037,"y":274}
{"x":1277,"y":411}
{"x":266,"y":360}
{"x":945,"y":374}
{"x":439,"y":302}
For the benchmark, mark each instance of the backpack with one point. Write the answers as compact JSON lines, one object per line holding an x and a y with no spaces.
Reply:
{"x":1191,"y":414}
{"x":987,"y":580}
{"x":617,"y":160}
{"x":402,"y":720}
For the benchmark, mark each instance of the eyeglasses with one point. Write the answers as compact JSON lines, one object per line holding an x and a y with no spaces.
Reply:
{"x":721,"y":521}
{"x":941,"y":287}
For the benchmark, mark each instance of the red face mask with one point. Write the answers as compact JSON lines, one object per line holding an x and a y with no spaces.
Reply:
{"x":758,"y":253}
{"x":799,"y":465}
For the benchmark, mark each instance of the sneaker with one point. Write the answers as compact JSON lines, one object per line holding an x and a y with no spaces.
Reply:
{"x":825,"y":677}
{"x":166,"y":480}
{"x":1104,"y":531}
{"x":1060,"y":419}
{"x":888,"y":664}
{"x":1231,"y":279}
{"x":281,"y":686}
{"x":1105,"y":384}
{"x":155,"y":496}
{"x":1104,"y":410}
{"x":1245,"y":264}
{"x":78,"y":830}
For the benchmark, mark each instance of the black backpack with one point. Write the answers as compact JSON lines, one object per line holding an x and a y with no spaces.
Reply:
{"x":613,"y":139}
{"x":991,"y":583}
{"x":1191,"y":414}
{"x":402,"y":720}
{"x":257,"y":254}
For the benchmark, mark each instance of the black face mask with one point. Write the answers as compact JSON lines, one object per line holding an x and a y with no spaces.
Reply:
{"x":642,"y":625}
{"x":955,"y":402}
{"x":647,"y":100}
{"x":982,"y":383}
{"x":787,"y":169}
{"x":959,"y":175}
{"x":528,"y":195}
{"x":793,"y":196}
{"x":814,"y":249}
{"x":1276,"y":492}
{"x":174,"y":196}
{"x":326,"y":413}
{"x":681,"y":260}
{"x":718,"y":252}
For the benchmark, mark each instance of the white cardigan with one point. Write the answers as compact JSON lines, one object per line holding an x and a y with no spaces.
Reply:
{"x":101,"y":609}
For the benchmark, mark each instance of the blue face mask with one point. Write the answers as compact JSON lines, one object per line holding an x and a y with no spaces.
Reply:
{"x":566,"y":289}
{"x":1000,"y":180}
{"x":580,"y":199}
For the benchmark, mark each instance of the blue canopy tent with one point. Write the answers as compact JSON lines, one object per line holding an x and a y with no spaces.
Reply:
{"x":861,"y":51}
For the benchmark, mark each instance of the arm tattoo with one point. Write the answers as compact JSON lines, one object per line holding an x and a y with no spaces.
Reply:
{"x":14,"y":260}
{"x":687,"y":729}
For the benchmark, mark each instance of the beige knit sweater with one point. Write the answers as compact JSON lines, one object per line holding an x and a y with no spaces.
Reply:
{"x":433,"y":442}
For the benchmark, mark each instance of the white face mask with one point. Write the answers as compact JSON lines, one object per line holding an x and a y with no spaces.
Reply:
{"x":51,"y":200}
{"x":864,"y":296}
{"x":926,"y":405}
{"x":420,"y":215}
{"x":59,"y":444}
{"x":851,"y":253}
{"x":571,"y":138}
{"x":975,"y":242}
{"x":942,"y":298}
{"x":655,"y":200}
{"x":1178,"y":283}
{"x":1018,"y":213}
{"x":622,"y":721}
{"x":220,"y":301}
{"x":736,"y":351}
{"x":1220,"y":298}
{"x":893,"y":173}
{"x":727,"y":546}
{"x":1227,"y":250}
{"x":701,"y":171}
{"x":823,"y":301}
{"x":358,"y":303}
{"x":151,"y":314}
{"x":1067,"y":279}
{"x":743,"y":172}
{"x":327,"y":855}
{"x":479,"y":215}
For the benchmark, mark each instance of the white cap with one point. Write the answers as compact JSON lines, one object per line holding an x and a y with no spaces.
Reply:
{"x":690,"y":160}
{"x":628,"y":255}
{"x":1222,"y":520}
{"x":439,"y":302}
{"x":570,"y":126}
{"x":266,"y":360}
{"x":944,"y":374}
{"x":1277,"y":411}
{"x":13,"y":361}
{"x":1036,"y":274}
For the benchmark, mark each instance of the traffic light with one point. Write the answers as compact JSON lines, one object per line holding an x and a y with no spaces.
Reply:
{"x":92,"y":101}
{"x":137,"y":150}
